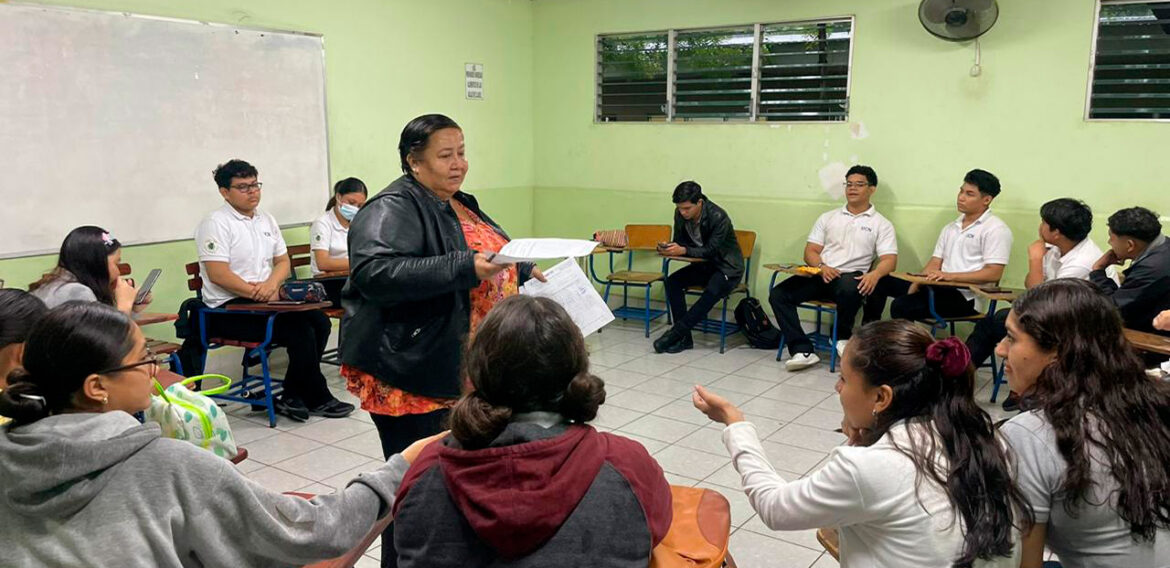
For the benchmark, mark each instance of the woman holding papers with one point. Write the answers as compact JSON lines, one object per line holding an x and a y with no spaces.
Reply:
{"x":421,"y":279}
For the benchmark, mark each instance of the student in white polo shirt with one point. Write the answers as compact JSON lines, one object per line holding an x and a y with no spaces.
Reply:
{"x":843,"y":243}
{"x":330,"y":232}
{"x":243,"y":258}
{"x":1062,"y":251}
{"x":973,"y":249}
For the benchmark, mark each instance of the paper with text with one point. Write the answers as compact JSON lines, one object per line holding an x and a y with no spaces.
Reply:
{"x":524,"y":250}
{"x":568,"y":286}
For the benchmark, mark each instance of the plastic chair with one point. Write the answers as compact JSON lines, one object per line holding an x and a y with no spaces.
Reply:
{"x":747,"y":243}
{"x":641,"y":238}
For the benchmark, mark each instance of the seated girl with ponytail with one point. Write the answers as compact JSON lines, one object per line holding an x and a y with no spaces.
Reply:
{"x":328,"y":237}
{"x":87,"y":269}
{"x":523,"y":479}
{"x":85,"y":484}
{"x":924,"y":481}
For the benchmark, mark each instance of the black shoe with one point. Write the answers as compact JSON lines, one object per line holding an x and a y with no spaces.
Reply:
{"x":292,"y":408}
{"x":332,"y":409}
{"x":686,"y":342}
{"x":1012,"y":403}
{"x":666,"y":340}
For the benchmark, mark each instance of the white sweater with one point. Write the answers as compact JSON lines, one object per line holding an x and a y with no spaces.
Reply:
{"x":868,"y":493}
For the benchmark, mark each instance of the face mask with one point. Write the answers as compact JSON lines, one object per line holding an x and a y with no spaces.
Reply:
{"x":348,"y":211}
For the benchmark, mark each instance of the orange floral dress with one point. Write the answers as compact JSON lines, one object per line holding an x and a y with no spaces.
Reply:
{"x":380,"y":398}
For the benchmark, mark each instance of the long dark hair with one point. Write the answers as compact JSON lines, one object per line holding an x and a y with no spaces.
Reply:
{"x":933,"y":384}
{"x":345,"y":187}
{"x":528,"y":356}
{"x":417,"y":134}
{"x":1096,"y":395}
{"x":84,"y":257}
{"x":19,"y":311}
{"x":73,"y":341}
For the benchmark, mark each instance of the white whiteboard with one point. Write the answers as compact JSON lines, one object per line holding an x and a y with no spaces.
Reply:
{"x":118,"y":120}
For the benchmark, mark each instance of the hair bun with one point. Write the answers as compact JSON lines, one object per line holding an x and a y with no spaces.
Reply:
{"x":23,"y":403}
{"x":950,"y":355}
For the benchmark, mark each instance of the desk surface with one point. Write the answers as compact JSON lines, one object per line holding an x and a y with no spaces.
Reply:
{"x":279,"y":308}
{"x":792,"y":269}
{"x":1151,"y":342}
{"x":920,"y":279}
{"x":690,"y":259}
{"x":997,"y":294}
{"x":146,"y":318}
{"x":331,"y":275}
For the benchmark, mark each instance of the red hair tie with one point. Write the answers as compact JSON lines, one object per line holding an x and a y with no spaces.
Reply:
{"x":950,"y":355}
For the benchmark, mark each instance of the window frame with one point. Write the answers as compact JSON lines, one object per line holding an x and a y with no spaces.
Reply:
{"x":1088,"y":116}
{"x":671,"y":72}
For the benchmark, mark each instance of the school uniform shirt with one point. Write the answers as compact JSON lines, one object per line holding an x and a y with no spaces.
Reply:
{"x":328,"y":234}
{"x":986,"y":241}
{"x":885,"y":517}
{"x":247,"y":244}
{"x":851,"y":242}
{"x":1078,"y":263}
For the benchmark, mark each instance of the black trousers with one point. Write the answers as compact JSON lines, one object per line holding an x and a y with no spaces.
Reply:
{"x":396,"y":433}
{"x":987,"y":334}
{"x":948,"y":302}
{"x":303,"y":334}
{"x":716,"y":287}
{"x":799,"y":289}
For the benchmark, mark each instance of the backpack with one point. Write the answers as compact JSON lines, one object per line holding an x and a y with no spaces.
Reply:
{"x":760,"y":333}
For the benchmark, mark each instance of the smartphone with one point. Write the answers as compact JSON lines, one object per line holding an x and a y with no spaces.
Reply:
{"x":146,"y":286}
{"x":662,"y":245}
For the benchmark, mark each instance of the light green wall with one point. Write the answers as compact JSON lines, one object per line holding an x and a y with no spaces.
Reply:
{"x":928,"y":123}
{"x":387,"y":61}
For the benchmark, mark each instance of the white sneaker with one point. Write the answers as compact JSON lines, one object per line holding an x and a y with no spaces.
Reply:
{"x":841,"y":347}
{"x":802,"y":361}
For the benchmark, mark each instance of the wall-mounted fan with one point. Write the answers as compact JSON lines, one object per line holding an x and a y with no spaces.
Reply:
{"x":959,"y":20}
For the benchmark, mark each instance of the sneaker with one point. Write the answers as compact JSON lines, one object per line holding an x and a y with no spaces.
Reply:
{"x":686,"y":342}
{"x":1012,"y":402}
{"x":666,"y":340}
{"x":292,"y":408}
{"x":802,"y":361}
{"x":841,"y":343}
{"x":332,"y":409}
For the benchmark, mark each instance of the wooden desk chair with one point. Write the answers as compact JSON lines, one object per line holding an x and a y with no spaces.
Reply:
{"x":830,"y":539}
{"x":699,"y":531}
{"x":641,"y":238}
{"x":298,"y":256}
{"x":256,"y":390}
{"x":820,"y":341}
{"x":747,"y":243}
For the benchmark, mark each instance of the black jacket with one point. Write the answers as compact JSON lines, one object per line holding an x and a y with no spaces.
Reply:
{"x":407,"y":303}
{"x":1146,"y":289}
{"x":719,"y":243}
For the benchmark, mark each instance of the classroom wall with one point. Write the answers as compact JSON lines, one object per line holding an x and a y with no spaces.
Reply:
{"x":927,"y":122}
{"x":387,"y":61}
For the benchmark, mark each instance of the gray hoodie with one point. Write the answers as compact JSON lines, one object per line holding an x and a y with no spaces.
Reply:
{"x":103,"y":490}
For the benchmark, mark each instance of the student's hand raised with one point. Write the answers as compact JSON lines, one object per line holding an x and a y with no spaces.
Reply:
{"x":715,"y":407}
{"x":485,"y":269}
{"x":412,"y":451}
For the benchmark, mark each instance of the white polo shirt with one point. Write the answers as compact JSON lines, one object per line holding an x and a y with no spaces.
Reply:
{"x":852,"y":241}
{"x":1078,"y":263}
{"x":247,"y":244}
{"x":328,"y":234}
{"x":986,"y":241}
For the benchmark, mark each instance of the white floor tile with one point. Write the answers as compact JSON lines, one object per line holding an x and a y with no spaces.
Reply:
{"x":278,"y":480}
{"x":652,"y":365}
{"x":675,"y":479}
{"x":774,"y":409}
{"x":652,"y":446}
{"x":693,"y":375}
{"x":684,"y":411}
{"x":726,"y":477}
{"x":826,"y":561}
{"x":744,"y":385}
{"x":367,"y":444}
{"x":766,"y":370}
{"x":322,"y":463}
{"x":342,"y":479}
{"x":611,"y":417}
{"x":741,"y":508}
{"x":331,"y":431}
{"x":704,"y":439}
{"x":807,"y":437}
{"x":638,"y":401}
{"x":658,"y":428}
{"x":819,"y":418}
{"x":280,"y":447}
{"x":754,"y":550}
{"x":624,"y":379}
{"x":688,"y":462}
{"x":665,"y":387}
{"x":798,"y":395}
{"x":718,"y":362}
{"x":791,"y":459}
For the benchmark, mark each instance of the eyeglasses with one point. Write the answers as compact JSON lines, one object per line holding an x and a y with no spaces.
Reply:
{"x":853,"y":185}
{"x":248,"y":187}
{"x":155,"y":359}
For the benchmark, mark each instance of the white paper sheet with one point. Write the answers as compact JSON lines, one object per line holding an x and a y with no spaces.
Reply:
{"x":568,"y":286}
{"x":524,"y":250}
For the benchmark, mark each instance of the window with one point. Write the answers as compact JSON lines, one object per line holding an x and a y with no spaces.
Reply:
{"x":797,"y":71}
{"x":1131,"y":62}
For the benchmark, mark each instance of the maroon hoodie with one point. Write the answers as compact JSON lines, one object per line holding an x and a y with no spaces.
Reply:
{"x":535,"y":496}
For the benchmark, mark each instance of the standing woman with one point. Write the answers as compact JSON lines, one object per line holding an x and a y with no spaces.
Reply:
{"x":87,"y":270}
{"x":1093,"y":442}
{"x":330,"y":232}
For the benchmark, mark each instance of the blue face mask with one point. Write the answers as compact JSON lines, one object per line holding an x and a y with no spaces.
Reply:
{"x":348,"y":211}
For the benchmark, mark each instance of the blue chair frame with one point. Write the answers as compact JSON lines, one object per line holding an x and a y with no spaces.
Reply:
{"x":820,"y":341}
{"x":243,"y":390}
{"x":940,"y":323}
{"x":721,"y":326}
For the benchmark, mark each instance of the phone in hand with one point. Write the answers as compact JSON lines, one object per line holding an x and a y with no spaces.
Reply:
{"x":662,"y":246}
{"x":144,"y":291}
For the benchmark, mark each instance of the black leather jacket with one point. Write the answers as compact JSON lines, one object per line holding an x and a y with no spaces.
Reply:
{"x":719,"y":243}
{"x":407,"y":304}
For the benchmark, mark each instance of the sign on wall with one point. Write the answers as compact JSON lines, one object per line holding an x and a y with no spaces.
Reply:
{"x":473,"y":72}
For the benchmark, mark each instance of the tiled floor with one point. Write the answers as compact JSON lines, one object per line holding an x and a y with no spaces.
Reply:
{"x":649,"y":401}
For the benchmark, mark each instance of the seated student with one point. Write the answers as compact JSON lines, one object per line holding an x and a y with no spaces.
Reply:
{"x":924,"y":482}
{"x":1093,"y":444}
{"x":703,"y":230}
{"x":243,"y":259}
{"x":87,"y":270}
{"x":19,"y":311}
{"x":329,"y":234}
{"x":975,"y":248}
{"x":843,"y":243}
{"x":523,"y":480}
{"x":1135,"y":234}
{"x":1063,"y":250}
{"x":86,"y":484}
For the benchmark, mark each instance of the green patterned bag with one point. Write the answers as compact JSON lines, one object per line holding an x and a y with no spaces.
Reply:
{"x":193,"y":416}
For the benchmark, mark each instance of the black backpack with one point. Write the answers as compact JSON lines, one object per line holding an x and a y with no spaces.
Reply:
{"x":750,"y":317}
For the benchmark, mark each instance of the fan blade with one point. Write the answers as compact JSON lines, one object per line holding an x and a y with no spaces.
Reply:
{"x":935,"y":11}
{"x":976,"y":5}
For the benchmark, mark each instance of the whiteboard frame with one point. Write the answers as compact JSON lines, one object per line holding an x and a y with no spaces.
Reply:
{"x":324,"y":99}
